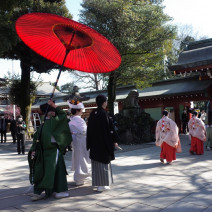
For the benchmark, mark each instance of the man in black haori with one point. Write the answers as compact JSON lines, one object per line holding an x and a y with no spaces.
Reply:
{"x":101,"y":141}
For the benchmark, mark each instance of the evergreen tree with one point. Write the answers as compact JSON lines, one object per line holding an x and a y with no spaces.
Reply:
{"x":140,"y":31}
{"x":13,"y":48}
{"x":67,"y":88}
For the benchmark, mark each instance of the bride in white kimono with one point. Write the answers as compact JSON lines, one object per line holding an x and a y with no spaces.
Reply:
{"x":81,"y":163}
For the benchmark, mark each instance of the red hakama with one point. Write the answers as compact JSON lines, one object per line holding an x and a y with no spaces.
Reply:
{"x":168,"y":152}
{"x":196,"y":146}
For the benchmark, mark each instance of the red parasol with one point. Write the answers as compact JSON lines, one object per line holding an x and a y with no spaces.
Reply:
{"x":68,"y":43}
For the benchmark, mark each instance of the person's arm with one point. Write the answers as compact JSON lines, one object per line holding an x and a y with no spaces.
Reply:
{"x":157,"y":134}
{"x":51,"y":103}
{"x":113,"y":132}
{"x":23,"y":126}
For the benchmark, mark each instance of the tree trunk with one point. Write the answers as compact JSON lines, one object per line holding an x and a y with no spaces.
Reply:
{"x":29,"y":130}
{"x":25,"y":89}
{"x":111,"y":88}
{"x":96,"y":82}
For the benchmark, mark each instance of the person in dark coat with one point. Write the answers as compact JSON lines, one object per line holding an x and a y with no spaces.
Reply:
{"x":21,"y":127}
{"x":101,"y":142}
{"x":13,"y":129}
{"x":3,"y":128}
{"x":185,"y":121}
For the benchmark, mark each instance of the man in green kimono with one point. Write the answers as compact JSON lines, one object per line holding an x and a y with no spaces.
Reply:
{"x":51,"y":170}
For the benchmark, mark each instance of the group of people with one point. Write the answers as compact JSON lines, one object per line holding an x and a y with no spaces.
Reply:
{"x":92,"y":149}
{"x":167,"y":137}
{"x":17,"y":129}
{"x":93,"y":145}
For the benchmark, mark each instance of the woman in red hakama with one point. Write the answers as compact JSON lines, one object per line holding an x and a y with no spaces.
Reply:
{"x":167,"y":152}
{"x":196,"y":146}
{"x":167,"y":138}
{"x":197,"y":132}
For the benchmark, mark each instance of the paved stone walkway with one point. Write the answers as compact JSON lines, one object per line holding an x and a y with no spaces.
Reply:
{"x":142,"y":183}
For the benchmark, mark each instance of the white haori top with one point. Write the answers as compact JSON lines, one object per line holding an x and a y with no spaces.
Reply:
{"x":167,"y":131}
{"x":197,"y":128}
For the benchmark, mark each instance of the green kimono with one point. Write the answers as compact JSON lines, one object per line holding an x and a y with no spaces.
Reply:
{"x":55,"y":137}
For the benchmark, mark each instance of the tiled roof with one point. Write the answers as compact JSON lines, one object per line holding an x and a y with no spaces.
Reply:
{"x":45,"y":89}
{"x":166,"y":88}
{"x":176,"y":87}
{"x":197,"y":55}
{"x":121,"y":93}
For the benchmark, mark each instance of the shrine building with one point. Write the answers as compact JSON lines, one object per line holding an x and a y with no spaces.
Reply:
{"x":194,"y":68}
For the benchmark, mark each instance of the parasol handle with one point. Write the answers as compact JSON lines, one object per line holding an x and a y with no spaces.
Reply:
{"x":60,"y":70}
{"x":55,"y":85}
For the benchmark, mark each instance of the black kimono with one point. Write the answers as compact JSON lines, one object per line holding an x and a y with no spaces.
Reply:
{"x":100,"y":140}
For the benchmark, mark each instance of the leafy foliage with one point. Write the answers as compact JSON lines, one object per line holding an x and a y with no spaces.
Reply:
{"x":15,"y":90}
{"x":67,"y":88}
{"x":15,"y":87}
{"x":140,"y":31}
{"x":13,"y":48}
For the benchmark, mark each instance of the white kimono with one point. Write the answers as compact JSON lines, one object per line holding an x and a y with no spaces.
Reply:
{"x":197,"y":128}
{"x":81,"y":162}
{"x":167,"y":131}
